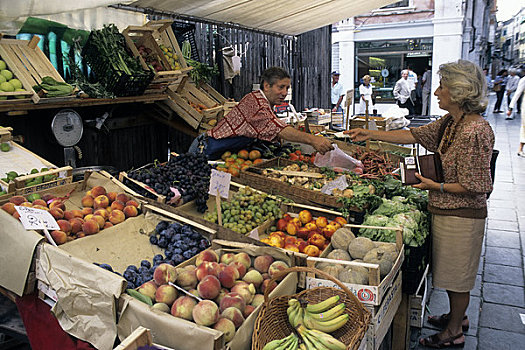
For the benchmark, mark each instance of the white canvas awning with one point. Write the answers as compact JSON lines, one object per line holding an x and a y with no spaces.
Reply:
{"x":290,"y":17}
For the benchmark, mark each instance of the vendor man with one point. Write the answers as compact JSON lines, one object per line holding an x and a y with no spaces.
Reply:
{"x":254,"y":118}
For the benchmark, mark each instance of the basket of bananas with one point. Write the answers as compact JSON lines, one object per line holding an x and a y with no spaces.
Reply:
{"x":318,"y":318}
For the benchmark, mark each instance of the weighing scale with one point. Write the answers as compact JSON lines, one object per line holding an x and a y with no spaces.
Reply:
{"x":67,"y":128}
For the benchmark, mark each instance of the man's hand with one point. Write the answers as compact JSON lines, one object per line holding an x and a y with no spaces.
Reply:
{"x":426,"y":184}
{"x":334,"y":109}
{"x":358,"y":134}
{"x":321,"y":144}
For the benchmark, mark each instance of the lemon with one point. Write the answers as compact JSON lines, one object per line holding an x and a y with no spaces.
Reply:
{"x":19,"y":96}
{"x":7,"y":87}
{"x":16,"y":83}
{"x":2,"y":65}
{"x":7,"y":74}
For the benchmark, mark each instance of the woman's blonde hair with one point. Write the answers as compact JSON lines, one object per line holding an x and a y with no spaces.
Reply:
{"x":466,"y":84}
{"x":367,"y":77}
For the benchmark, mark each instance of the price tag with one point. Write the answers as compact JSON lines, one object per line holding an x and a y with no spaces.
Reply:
{"x":339,"y":183}
{"x":36,"y":219}
{"x":220,"y":182}
{"x":254,"y":234}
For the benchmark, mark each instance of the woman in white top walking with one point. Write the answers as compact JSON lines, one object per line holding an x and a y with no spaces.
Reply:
{"x":365,"y":93}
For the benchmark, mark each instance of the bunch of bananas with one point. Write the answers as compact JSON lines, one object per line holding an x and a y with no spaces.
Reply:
{"x":326,"y":316}
{"x":317,"y":340}
{"x":291,"y":342}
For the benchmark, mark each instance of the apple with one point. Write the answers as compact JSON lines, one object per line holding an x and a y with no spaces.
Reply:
{"x":305,"y":216}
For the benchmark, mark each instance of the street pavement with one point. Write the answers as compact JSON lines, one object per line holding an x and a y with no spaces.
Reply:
{"x":497,"y":303}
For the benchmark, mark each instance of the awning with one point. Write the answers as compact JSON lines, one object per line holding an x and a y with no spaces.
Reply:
{"x":290,"y":17}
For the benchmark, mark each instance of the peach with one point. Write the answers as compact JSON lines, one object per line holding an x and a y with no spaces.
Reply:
{"x":281,"y":225}
{"x":258,"y":299}
{"x":64,"y":226}
{"x":266,"y":285}
{"x":60,"y":237}
{"x":117,"y":205}
{"x":277,"y":266}
{"x":116,"y":216}
{"x":205,"y":313}
{"x":305,"y":216}
{"x":206,"y":255}
{"x":166,"y":294}
{"x":244,"y":259}
{"x":87,"y":201}
{"x":16,"y":215}
{"x":17,"y":200}
{"x":165,"y":273}
{"x":39,"y":202}
{"x":80,"y":234}
{"x":297,"y":222}
{"x":87,"y":211}
{"x":301,"y":244}
{"x":262,"y":263}
{"x":187,"y":279}
{"x":111,"y":196}
{"x":226,"y":327}
{"x":341,"y":220}
{"x":254,"y":277}
{"x":247,"y":291}
{"x":228,"y":276}
{"x":221,"y":295}
{"x":248,"y":310}
{"x":47,"y":197}
{"x":334,"y":224}
{"x":161,"y":307}
{"x":9,"y":208}
{"x":133,"y":203}
{"x":100,"y":220}
{"x":227,"y":258}
{"x":41,"y":207}
{"x":240,"y":268}
{"x":71,"y":214}
{"x":207,"y":268}
{"x":148,"y":289}
{"x":310,"y":226}
{"x":88,"y":217}
{"x":98,"y":191}
{"x":209,"y":287}
{"x":101,"y":202}
{"x":291,"y":247}
{"x":232,"y":299}
{"x":90,"y":227}
{"x":131,"y":211}
{"x":124,"y":198}
{"x":108,"y":224}
{"x":26,"y":204}
{"x":194,"y":292}
{"x":102,"y":212}
{"x":57,"y":203}
{"x":183,"y":307}
{"x":321,"y":222}
{"x":233,"y":314}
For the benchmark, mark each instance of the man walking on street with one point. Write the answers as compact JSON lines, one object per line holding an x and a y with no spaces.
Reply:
{"x":337,"y":93}
{"x":402,"y":93}
{"x":512,"y":85}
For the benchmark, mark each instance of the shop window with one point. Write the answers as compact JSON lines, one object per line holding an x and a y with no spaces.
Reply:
{"x":404,"y":3}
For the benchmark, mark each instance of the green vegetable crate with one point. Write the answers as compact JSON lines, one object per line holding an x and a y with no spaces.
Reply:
{"x":29,"y":65}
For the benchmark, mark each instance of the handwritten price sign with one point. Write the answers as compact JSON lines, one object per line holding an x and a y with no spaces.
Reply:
{"x":36,"y":219}
{"x":220,"y":182}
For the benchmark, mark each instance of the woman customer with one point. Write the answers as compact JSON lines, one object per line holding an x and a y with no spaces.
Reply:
{"x":512,"y":104}
{"x":458,"y":205}
{"x":365,"y":93}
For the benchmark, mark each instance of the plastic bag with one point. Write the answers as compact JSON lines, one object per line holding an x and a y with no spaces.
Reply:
{"x":336,"y":158}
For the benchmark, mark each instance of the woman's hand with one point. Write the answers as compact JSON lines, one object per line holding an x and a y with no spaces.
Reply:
{"x":358,"y":134}
{"x":426,"y":183}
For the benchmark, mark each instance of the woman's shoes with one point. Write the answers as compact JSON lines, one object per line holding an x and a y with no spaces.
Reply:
{"x":521,"y":154}
{"x":442,"y":321}
{"x":434,"y":342}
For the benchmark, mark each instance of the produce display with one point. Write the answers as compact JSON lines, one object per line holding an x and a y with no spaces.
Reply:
{"x":234,"y":163}
{"x":246,"y":210}
{"x":5,"y":147}
{"x":222,"y":290}
{"x":8,"y":82}
{"x":100,"y":210}
{"x":188,"y":174}
{"x":376,"y":165}
{"x":313,"y":322}
{"x":12,"y":175}
{"x":152,"y":59}
{"x":303,"y":233}
{"x":52,"y":88}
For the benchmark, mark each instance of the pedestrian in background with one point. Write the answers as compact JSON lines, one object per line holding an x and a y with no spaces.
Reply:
{"x":365,"y":94}
{"x":402,"y":93}
{"x":499,"y":87}
{"x":337,"y":93}
{"x":426,"y":81}
{"x":512,"y":85}
{"x":519,"y":93}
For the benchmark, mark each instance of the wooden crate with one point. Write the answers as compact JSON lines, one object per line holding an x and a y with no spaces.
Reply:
{"x":126,"y":180}
{"x":164,"y":35}
{"x":6,"y":134}
{"x":137,"y":36}
{"x":360,"y":121}
{"x":140,"y":337}
{"x":29,"y":64}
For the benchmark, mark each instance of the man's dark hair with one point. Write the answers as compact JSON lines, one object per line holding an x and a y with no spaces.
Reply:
{"x":272,"y":75}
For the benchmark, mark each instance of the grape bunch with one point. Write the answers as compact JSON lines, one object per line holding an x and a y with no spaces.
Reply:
{"x":189,"y":173}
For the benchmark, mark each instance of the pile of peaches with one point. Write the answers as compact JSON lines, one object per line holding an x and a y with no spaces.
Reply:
{"x":230,"y":288}
{"x":234,"y":163}
{"x":303,"y":233}
{"x":100,"y":210}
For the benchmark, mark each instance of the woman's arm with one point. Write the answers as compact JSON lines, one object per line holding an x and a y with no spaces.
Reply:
{"x":397,"y":136}
{"x":428,"y":184}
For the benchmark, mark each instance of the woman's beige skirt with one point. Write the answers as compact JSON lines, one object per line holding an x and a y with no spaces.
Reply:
{"x":456,"y":248}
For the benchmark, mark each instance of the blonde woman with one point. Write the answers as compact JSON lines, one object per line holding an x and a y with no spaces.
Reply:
{"x":365,"y":94}
{"x":459,"y":204}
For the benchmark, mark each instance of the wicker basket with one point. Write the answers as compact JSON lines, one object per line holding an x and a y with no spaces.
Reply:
{"x":272,"y":322}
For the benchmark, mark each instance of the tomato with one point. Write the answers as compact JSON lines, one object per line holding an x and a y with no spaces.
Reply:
{"x":294,"y":156}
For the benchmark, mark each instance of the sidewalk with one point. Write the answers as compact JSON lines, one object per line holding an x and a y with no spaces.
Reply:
{"x":498,"y":297}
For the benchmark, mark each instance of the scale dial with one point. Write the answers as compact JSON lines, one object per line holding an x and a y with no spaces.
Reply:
{"x":67,"y":127}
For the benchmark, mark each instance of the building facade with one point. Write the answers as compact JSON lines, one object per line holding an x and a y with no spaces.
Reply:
{"x":510,"y":41}
{"x":411,"y":34}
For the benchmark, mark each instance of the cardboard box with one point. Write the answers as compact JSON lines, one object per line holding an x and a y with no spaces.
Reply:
{"x":140,"y":337}
{"x":372,"y":294}
{"x":169,"y":330}
{"x":383,"y":315}
{"x":418,"y":302}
